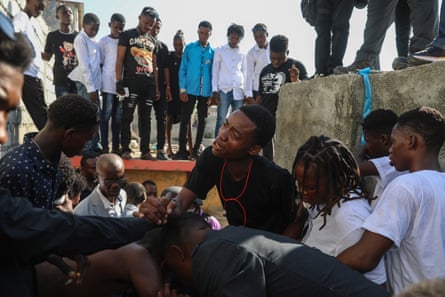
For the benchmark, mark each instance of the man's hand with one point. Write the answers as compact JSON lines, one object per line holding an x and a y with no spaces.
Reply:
{"x":93,"y":97}
{"x":156,"y":210}
{"x":183,"y":97}
{"x":215,"y":98}
{"x":168,"y":94}
{"x":120,"y":88}
{"x":250,"y":100}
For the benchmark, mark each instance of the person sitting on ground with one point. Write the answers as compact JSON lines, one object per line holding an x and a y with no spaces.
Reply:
{"x":27,"y":232}
{"x":408,"y":219}
{"x":254,"y":191}
{"x":329,"y":187}
{"x":377,"y":127}
{"x":108,"y":199}
{"x":240,"y":261}
{"x":31,"y":169}
{"x":135,"y":196}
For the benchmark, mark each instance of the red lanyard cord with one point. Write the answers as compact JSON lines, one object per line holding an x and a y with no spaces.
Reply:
{"x":235,"y":199}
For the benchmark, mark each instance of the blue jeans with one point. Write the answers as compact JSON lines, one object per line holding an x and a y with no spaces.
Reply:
{"x":111,"y":108}
{"x":439,"y":41}
{"x":225,"y":101}
{"x":94,"y":143}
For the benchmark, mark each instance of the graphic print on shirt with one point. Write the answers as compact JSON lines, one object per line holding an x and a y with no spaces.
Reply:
{"x":69,"y":59}
{"x":142,"y":48}
{"x":272,"y":82}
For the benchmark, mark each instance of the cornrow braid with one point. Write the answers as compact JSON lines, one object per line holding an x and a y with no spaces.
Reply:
{"x":337,"y":162}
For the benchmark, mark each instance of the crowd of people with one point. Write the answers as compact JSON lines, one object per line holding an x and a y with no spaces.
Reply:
{"x":313,"y":231}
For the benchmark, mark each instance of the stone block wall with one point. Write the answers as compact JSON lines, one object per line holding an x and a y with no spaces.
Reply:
{"x":333,"y":105}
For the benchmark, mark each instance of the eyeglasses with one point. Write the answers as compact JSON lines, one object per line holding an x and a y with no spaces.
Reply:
{"x":6,"y":27}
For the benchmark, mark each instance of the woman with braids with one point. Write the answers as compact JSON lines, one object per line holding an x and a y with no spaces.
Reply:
{"x":328,"y":181}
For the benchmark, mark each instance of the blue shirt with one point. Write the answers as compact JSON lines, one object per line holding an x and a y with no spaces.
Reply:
{"x":26,"y":173}
{"x":195,"y":72}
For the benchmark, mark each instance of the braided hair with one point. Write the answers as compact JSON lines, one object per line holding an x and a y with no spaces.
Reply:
{"x":333,"y":159}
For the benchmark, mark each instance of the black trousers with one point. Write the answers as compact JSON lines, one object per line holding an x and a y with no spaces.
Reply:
{"x":34,"y":100}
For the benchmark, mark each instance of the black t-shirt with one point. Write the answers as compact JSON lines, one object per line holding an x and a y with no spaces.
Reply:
{"x":266,"y":203}
{"x":62,"y":46}
{"x":239,"y":261}
{"x":139,"y":54}
{"x":271,"y":80}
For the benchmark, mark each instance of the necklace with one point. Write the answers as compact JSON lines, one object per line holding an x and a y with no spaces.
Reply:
{"x":235,"y":199}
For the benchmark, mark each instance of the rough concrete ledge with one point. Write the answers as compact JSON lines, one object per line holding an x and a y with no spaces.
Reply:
{"x":333,"y":105}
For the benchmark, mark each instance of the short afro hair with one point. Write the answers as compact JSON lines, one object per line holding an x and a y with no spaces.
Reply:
{"x":279,"y":44}
{"x":428,"y":122}
{"x":380,"y":121}
{"x":263,"y":120}
{"x":73,"y":111}
{"x":236,"y":29}
{"x":117,"y":17}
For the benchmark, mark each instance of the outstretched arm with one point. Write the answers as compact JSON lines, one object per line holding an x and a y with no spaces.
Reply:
{"x":366,"y":253}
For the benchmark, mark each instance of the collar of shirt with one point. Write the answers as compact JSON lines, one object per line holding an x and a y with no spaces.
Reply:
{"x":117,"y":206}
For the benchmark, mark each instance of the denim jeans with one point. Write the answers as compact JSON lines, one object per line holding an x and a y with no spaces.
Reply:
{"x":111,"y":108}
{"x":226,"y":100}
{"x":94,"y":143}
{"x":440,"y":39}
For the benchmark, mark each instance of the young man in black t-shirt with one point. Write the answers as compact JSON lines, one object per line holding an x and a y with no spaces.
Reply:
{"x":60,"y":43}
{"x":281,"y":70}
{"x":254,"y":191}
{"x":136,"y":69}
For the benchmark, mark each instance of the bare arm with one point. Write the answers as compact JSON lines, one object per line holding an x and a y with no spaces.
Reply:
{"x":120,"y":61}
{"x":46,"y":56}
{"x":367,"y":168}
{"x":366,"y":253}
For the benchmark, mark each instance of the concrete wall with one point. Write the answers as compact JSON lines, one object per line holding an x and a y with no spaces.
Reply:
{"x":333,"y":105}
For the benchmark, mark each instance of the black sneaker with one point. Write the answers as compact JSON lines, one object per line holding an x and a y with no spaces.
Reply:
{"x":194,"y":155}
{"x":147,"y":156}
{"x":180,"y":156}
{"x":400,"y":63}
{"x":126,"y":155}
{"x":430,"y":54}
{"x":160,"y":155}
{"x":353,"y":68}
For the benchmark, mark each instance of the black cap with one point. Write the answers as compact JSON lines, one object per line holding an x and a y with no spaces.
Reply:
{"x":150,"y":11}
{"x":6,"y":27}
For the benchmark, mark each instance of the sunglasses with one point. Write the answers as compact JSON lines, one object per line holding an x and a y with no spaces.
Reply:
{"x":6,"y":27}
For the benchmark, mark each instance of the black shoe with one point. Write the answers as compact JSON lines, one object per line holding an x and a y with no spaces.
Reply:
{"x":160,"y":155}
{"x":400,"y":63}
{"x":430,"y":54}
{"x":354,"y":67}
{"x":147,"y":156}
{"x":180,"y":156}
{"x":194,"y":155}
{"x":126,"y":155}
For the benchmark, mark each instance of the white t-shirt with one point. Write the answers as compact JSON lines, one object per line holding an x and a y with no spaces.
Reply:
{"x":411,"y":213}
{"x":88,"y":69}
{"x":108,"y":55}
{"x":387,"y":173}
{"x":28,"y":26}
{"x":343,"y":229}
